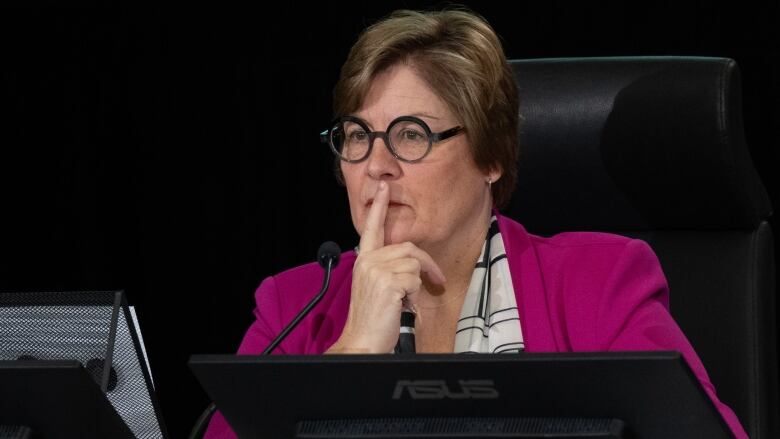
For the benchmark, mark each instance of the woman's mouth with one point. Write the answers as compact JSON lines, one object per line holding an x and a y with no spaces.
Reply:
{"x":390,"y":204}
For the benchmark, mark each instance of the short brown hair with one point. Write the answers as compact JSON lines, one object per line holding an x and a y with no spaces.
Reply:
{"x":461,"y":58}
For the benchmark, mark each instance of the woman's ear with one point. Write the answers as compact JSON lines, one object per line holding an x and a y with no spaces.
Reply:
{"x":493,"y":176}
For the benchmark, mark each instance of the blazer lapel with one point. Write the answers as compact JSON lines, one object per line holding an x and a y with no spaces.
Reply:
{"x":527,"y":281}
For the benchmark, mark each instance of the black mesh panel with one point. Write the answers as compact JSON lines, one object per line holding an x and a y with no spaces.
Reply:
{"x":88,"y":327}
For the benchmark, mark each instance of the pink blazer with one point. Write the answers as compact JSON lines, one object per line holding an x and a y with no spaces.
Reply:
{"x":576,"y":291}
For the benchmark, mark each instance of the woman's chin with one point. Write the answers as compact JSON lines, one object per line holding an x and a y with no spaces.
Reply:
{"x":397,"y":232}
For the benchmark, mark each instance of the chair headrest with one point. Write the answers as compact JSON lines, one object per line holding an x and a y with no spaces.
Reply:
{"x":634,"y":143}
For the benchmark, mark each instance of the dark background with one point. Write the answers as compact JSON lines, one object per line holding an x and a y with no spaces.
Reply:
{"x":173,"y":151}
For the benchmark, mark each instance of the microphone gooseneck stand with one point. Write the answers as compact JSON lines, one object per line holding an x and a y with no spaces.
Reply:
{"x":328,"y":257}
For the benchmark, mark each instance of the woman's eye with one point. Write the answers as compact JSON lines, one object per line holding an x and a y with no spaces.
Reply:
{"x":357,"y":135}
{"x":411,"y":135}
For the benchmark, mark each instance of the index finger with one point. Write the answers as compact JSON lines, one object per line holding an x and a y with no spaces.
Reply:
{"x":373,"y":236}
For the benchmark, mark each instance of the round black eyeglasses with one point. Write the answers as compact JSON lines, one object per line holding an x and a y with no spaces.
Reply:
{"x":408,"y":138}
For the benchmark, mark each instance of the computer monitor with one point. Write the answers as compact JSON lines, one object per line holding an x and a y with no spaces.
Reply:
{"x":628,"y":394}
{"x":57,"y":400}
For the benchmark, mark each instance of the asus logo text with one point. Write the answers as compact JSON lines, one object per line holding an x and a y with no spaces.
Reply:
{"x":438,"y":389}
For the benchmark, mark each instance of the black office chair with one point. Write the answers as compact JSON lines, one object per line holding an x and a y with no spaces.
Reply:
{"x":653,"y":147}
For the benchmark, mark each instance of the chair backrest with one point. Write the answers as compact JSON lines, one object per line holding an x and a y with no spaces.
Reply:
{"x":653,"y":147}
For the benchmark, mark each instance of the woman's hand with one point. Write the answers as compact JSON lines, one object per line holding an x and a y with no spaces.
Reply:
{"x":383,"y":276}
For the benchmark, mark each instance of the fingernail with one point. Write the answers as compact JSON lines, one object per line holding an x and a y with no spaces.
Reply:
{"x":382,"y":185}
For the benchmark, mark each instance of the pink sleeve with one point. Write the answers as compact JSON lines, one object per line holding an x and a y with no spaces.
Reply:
{"x":634,"y":316}
{"x":266,"y":326}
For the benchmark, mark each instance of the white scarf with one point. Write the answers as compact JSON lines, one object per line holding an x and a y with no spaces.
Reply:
{"x":489,"y":321}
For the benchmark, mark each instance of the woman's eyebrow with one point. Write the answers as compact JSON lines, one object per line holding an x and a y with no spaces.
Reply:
{"x":417,"y":114}
{"x":429,"y":116}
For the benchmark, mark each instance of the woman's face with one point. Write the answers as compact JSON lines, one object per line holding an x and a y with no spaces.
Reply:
{"x":432,"y":200}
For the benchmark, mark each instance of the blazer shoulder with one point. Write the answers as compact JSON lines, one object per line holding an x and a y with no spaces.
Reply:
{"x":581,"y":239}
{"x":587,"y":253}
{"x":567,"y":250}
{"x":515,"y":231}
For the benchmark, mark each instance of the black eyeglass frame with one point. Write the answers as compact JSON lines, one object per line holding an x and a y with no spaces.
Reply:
{"x":327,"y":136}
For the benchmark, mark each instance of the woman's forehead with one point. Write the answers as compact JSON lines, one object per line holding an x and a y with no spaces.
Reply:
{"x":400,"y":91}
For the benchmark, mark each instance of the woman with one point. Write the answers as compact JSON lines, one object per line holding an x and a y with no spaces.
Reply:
{"x":425,"y":140}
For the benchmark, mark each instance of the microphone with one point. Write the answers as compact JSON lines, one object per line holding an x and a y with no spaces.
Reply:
{"x":328,"y":251}
{"x":328,"y":257}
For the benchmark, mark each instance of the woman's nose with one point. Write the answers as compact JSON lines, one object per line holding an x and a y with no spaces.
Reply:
{"x":380,"y":162}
